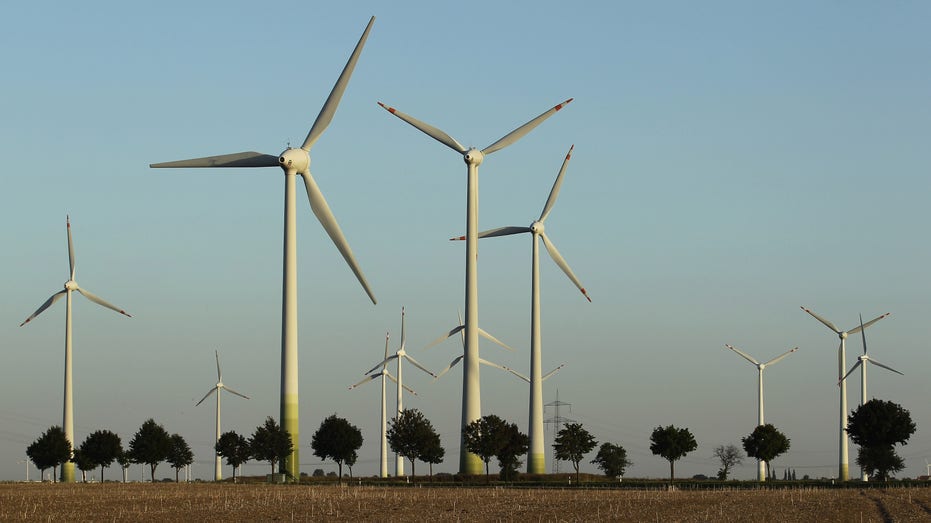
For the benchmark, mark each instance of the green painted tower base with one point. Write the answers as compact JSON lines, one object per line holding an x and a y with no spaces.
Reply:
{"x":536,"y":463}
{"x":67,"y":472}
{"x":470,"y":464}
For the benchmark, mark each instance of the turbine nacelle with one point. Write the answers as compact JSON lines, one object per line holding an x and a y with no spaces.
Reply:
{"x":294,"y":160}
{"x":473,"y":157}
{"x":843,"y":335}
{"x":71,"y":285}
{"x":536,"y":227}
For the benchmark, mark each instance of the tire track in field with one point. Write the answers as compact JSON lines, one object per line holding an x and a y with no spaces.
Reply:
{"x":881,"y":506}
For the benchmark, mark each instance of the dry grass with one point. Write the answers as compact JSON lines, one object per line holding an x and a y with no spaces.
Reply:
{"x":228,"y":502}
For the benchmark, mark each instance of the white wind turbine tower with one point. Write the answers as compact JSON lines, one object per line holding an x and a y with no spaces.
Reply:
{"x":383,"y":469}
{"x":399,"y":355}
{"x":861,"y":362}
{"x":471,"y":395}
{"x":218,"y":472}
{"x":296,"y":162}
{"x":536,"y":458}
{"x":67,"y":468}
{"x":844,"y":466}
{"x":761,"y":465}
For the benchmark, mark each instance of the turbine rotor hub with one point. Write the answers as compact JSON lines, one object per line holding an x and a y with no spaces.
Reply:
{"x":843,"y":335}
{"x":294,"y":161}
{"x":473,"y":157}
{"x":71,"y":285}
{"x":536,"y":227}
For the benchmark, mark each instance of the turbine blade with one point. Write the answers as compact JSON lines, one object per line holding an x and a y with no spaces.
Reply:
{"x":519,"y":133}
{"x":444,"y":336}
{"x":99,"y":301}
{"x":500,"y":231}
{"x":70,"y":247}
{"x":777,"y":359}
{"x":863,"y":334}
{"x":491,"y":338}
{"x":209,"y":392}
{"x":48,"y":303}
{"x":554,"y":254}
{"x":387,"y":335}
{"x":366,"y":380}
{"x":244,"y":159}
{"x":234,"y":392}
{"x":452,"y":364}
{"x":550,"y":373}
{"x":382,"y":363}
{"x":427,"y":129}
{"x":855,"y":365}
{"x":408,"y":389}
{"x":554,"y":192}
{"x":332,"y":101}
{"x":874,"y":362}
{"x":403,"y":338}
{"x":867,"y":324}
{"x":502,"y":367}
{"x":746,"y":356}
{"x":822,"y":320}
{"x":219,"y":374}
{"x":319,"y":205}
{"x":418,"y":365}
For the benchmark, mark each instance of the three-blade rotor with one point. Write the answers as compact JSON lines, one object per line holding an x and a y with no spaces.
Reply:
{"x":864,"y":359}
{"x":297,"y":161}
{"x":216,"y":388}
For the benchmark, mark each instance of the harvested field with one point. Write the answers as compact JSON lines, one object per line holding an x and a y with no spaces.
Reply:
{"x":228,"y":502}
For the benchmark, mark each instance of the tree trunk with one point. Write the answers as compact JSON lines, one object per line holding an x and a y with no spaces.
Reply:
{"x":340,"y":463}
{"x":576,"y":465}
{"x":412,"y":467}
{"x":153,"y":465}
{"x":177,"y":470}
{"x":101,"y":473}
{"x":672,"y":470}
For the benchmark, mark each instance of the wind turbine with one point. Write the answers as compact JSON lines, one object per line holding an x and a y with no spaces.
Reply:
{"x":861,"y":362}
{"x":296,"y":162}
{"x":383,"y":470}
{"x":471,"y":395}
{"x":218,"y":473}
{"x":761,"y":465}
{"x":843,"y":467}
{"x":67,"y":468}
{"x":536,"y":459}
{"x":399,"y":355}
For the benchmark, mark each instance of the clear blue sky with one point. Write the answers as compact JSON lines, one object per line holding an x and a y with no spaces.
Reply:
{"x":733,"y":161}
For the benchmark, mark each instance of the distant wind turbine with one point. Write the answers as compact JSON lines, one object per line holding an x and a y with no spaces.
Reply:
{"x":471,"y":395}
{"x":761,"y":465}
{"x":843,"y":473}
{"x":861,"y":362}
{"x":383,"y":470}
{"x":296,"y":162}
{"x":67,"y":468}
{"x":218,"y":472}
{"x":399,"y":355}
{"x":536,"y":456}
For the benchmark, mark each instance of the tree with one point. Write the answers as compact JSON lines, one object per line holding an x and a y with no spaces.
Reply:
{"x":271,"y":443}
{"x":150,"y":445}
{"x":612,"y":460}
{"x":50,"y":450}
{"x":410,"y":435}
{"x":179,"y":454}
{"x":433,"y":454}
{"x":515,"y":445}
{"x":572,"y":443}
{"x":235,"y":448}
{"x":672,"y":444}
{"x":729,"y":456}
{"x":83,"y":462}
{"x":765,"y":443}
{"x":336,"y":439}
{"x":102,"y":447}
{"x":484,"y":437}
{"x":350,"y":461}
{"x":877,"y":426}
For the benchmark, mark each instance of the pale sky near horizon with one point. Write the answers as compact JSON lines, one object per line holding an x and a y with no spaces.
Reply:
{"x":733,"y":161}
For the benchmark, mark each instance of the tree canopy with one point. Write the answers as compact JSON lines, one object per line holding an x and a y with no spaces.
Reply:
{"x":484,"y":437}
{"x":150,"y":445}
{"x":271,"y":443}
{"x":612,"y":460}
{"x":179,"y":454}
{"x":515,"y":445}
{"x":410,"y":435}
{"x":729,"y":456}
{"x":572,"y":443}
{"x":50,"y":450}
{"x":83,"y":462}
{"x":433,"y":453}
{"x":672,"y":444}
{"x":336,"y":439}
{"x":102,"y":447}
{"x":766,"y":443}
{"x":877,"y":426}
{"x":235,"y":448}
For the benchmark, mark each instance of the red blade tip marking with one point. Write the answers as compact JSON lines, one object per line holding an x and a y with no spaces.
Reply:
{"x":459,"y":238}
